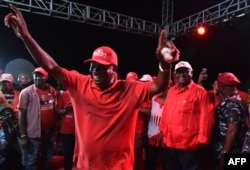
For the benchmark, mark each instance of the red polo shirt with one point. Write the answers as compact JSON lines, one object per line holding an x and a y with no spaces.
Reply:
{"x":105,"y":120}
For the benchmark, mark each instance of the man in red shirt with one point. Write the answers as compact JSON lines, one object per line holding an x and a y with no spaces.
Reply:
{"x":104,"y":106}
{"x":187,"y":120}
{"x":66,"y":127}
{"x":37,"y":119}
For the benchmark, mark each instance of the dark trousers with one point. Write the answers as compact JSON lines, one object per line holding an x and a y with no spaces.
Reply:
{"x":68,"y":141}
{"x":155,"y":158}
{"x":208,"y":158}
{"x":182,"y":159}
{"x":40,"y":151}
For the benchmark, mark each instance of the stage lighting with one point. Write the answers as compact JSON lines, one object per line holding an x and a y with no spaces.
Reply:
{"x":201,"y":30}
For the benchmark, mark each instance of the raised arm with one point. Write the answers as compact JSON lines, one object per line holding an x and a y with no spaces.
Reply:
{"x":18,"y":24}
{"x":165,"y":62}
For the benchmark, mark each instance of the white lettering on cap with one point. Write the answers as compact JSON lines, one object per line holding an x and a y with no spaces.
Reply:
{"x":100,"y":53}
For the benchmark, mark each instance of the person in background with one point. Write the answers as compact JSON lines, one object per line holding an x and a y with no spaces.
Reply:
{"x":104,"y":106}
{"x":37,"y":120}
{"x":3,"y":148}
{"x":155,"y":157}
{"x":230,"y":126}
{"x":66,"y":128}
{"x":141,"y":129}
{"x":9,"y":97}
{"x":202,"y":76}
{"x":214,"y":94}
{"x":246,"y":143}
{"x":11,"y":152}
{"x":23,"y":80}
{"x":187,"y":121}
{"x":139,"y":163}
{"x":217,"y":97}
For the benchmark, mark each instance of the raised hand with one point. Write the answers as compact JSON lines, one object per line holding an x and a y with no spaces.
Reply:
{"x":16,"y":21}
{"x":166,"y":50}
{"x":202,"y":77}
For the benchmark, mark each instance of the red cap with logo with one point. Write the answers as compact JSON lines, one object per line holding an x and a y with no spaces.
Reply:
{"x":228,"y":78}
{"x":104,"y":55}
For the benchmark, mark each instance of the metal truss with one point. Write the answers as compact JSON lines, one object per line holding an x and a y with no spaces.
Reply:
{"x":210,"y":16}
{"x":167,"y":11}
{"x":65,"y":9}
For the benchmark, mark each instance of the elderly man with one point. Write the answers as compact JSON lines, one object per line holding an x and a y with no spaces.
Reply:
{"x":104,"y":106}
{"x":187,"y":121}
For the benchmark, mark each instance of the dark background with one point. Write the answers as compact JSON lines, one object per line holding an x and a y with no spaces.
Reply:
{"x":223,"y":48}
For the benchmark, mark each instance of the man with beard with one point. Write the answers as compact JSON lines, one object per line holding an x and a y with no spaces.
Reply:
{"x":104,"y":106}
{"x":187,"y":121}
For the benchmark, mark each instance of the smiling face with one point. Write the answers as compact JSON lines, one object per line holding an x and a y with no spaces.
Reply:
{"x":183,"y":76}
{"x":102,"y":75}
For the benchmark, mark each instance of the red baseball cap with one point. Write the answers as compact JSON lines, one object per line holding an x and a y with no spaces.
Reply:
{"x":104,"y":55}
{"x":228,"y":78}
{"x":41,"y":70}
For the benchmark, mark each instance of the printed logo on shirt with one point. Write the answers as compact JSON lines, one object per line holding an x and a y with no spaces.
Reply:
{"x":46,"y":102}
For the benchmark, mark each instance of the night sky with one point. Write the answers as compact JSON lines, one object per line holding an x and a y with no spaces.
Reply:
{"x":223,"y":48}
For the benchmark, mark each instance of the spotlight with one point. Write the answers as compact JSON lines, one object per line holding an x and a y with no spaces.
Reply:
{"x":201,"y":30}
